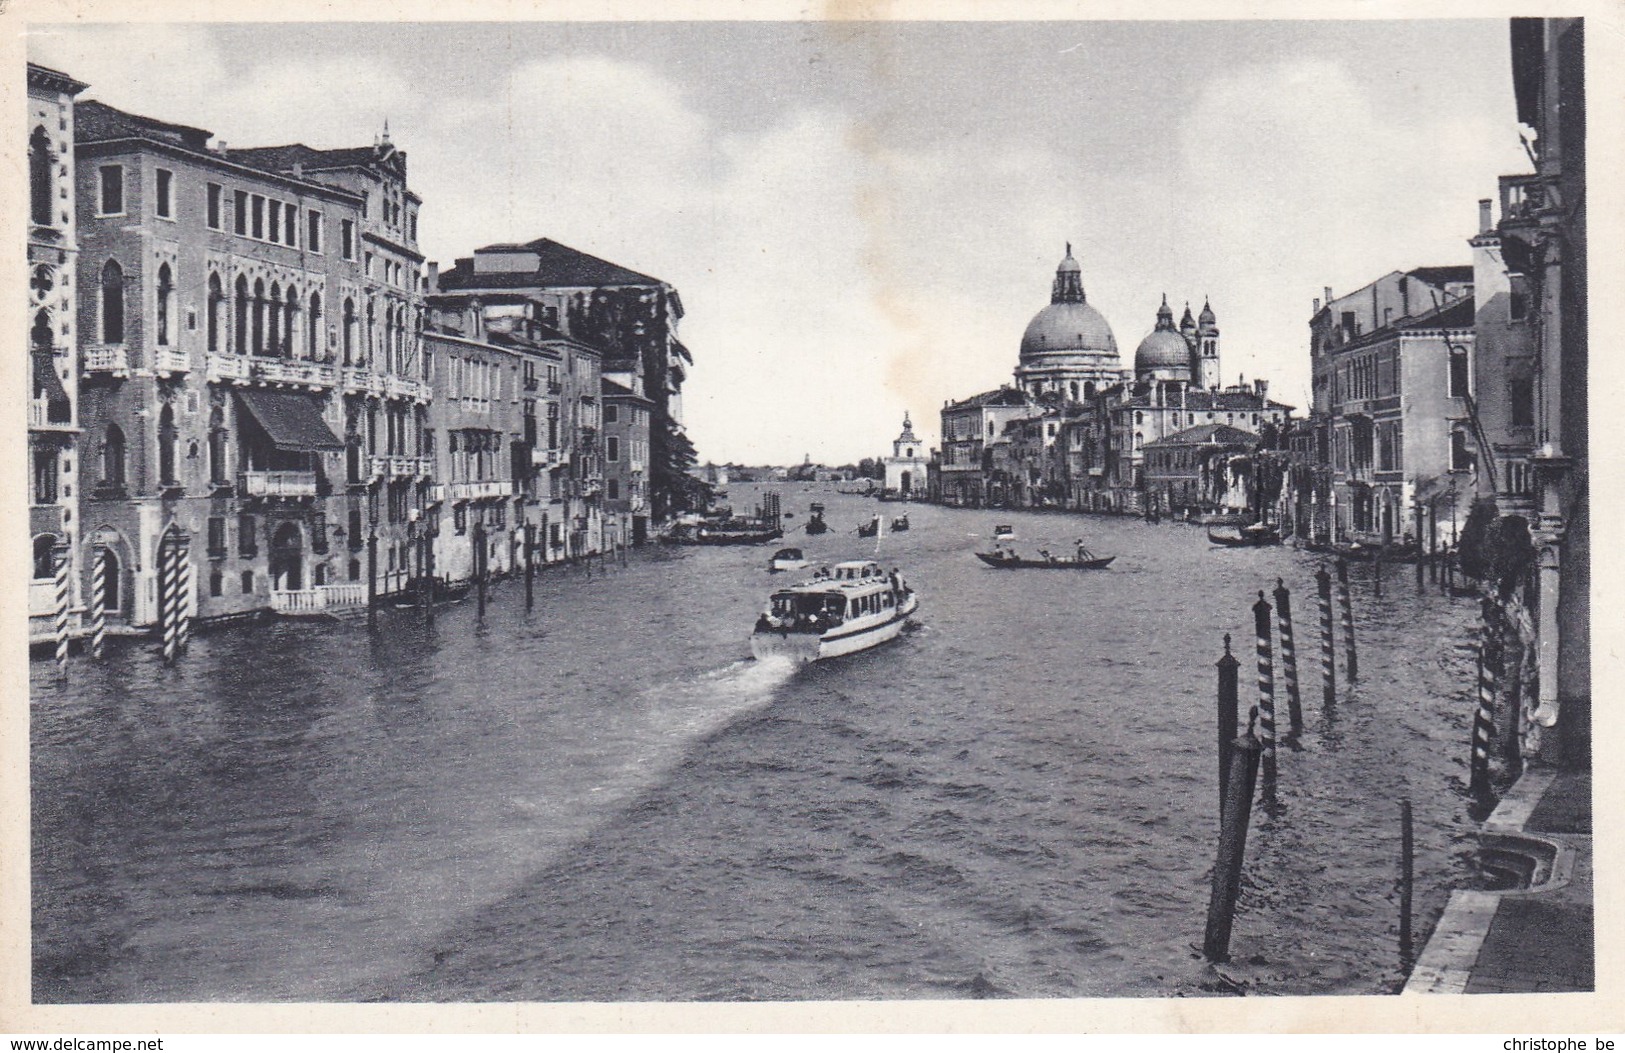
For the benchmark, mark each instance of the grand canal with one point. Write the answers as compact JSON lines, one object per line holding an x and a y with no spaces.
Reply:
{"x":608,"y":800}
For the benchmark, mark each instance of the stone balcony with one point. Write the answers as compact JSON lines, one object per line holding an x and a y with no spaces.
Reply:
{"x":39,"y":417}
{"x":546,"y":458}
{"x":472,"y":491}
{"x":167,"y":361}
{"x":400,"y":467}
{"x":256,"y":369}
{"x":406,"y":388}
{"x":278,"y":484}
{"x":111,"y":359}
{"x":359,"y":380}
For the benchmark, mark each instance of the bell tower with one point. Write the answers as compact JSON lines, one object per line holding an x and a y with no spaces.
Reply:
{"x":1207,"y":348}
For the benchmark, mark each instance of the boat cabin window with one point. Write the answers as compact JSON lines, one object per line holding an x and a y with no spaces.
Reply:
{"x":807,"y":605}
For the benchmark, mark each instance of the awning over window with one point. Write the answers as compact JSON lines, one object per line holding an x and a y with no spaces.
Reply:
{"x":292,"y":422}
{"x":48,"y":385}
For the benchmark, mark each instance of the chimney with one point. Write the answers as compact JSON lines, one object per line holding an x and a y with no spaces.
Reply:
{"x":220,"y":147}
{"x":1263,"y":388}
{"x":298,"y":170}
{"x":1328,"y":296}
{"x":433,"y":281}
{"x":1485,"y":220}
{"x":1317,"y":306}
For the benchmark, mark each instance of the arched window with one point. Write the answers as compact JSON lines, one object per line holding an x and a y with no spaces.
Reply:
{"x":166,"y":303}
{"x":314,"y":343}
{"x":290,"y":324}
{"x":41,"y":162}
{"x":371,"y":349}
{"x":259,"y":316}
{"x":217,"y":310}
{"x":273,"y":310}
{"x":112,"y":303}
{"x":44,"y":557}
{"x":1461,"y":452}
{"x":349,"y":332}
{"x":219,"y":448}
{"x":167,"y":438}
{"x":40,"y":336}
{"x":113,"y":457}
{"x":1459,"y":380}
{"x":243,"y":310}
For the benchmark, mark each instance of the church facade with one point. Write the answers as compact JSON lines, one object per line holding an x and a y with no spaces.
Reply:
{"x":907,"y":465}
{"x":1071,"y":431}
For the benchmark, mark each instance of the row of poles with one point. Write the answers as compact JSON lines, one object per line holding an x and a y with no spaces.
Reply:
{"x":175,"y":600}
{"x":1245,"y":756}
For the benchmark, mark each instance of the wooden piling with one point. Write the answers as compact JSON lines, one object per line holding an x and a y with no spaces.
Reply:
{"x":1352,"y":662}
{"x":372,"y":578}
{"x":429,"y":581}
{"x":1289,"y":657}
{"x":1421,"y":558}
{"x":1433,"y":543}
{"x":168,"y":592}
{"x":183,"y":593}
{"x":1238,"y":809}
{"x":1406,"y":882}
{"x":1376,"y":574}
{"x":1229,"y":716}
{"x":479,"y":566}
{"x":1266,"y":693}
{"x":1328,"y":645}
{"x":530,"y":567}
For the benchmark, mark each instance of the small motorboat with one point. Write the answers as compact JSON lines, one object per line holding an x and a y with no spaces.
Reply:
{"x":817,"y":508}
{"x":1006,"y":559}
{"x":853,"y":607}
{"x":787,"y":559}
{"x":1004,"y":532}
{"x":900,"y":523}
{"x":870,"y":529}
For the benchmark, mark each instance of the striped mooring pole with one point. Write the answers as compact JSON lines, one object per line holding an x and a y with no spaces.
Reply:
{"x":59,"y":555}
{"x":183,"y":593}
{"x":1483,"y":728}
{"x":1289,"y":656}
{"x":1266,"y":694}
{"x":1353,"y":665}
{"x":98,"y":601}
{"x":168,"y":592}
{"x":1328,"y":645}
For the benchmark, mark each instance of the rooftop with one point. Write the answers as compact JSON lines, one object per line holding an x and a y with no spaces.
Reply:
{"x":550,"y":265}
{"x":1207,"y":435}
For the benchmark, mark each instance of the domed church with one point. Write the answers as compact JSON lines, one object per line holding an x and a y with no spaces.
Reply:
{"x":1068,"y":351}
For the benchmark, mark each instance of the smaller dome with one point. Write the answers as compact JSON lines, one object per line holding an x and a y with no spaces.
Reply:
{"x":1207,"y":316}
{"x":1162,"y":349}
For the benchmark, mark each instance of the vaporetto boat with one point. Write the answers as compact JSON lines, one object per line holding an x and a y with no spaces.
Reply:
{"x":852,"y":607}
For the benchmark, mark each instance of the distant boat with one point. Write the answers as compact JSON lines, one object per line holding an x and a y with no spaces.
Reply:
{"x":1004,"y":532}
{"x":870,"y":529}
{"x":816,"y":508}
{"x":787,"y":559}
{"x":1011,"y":561}
{"x":900,"y":523}
{"x":1246,"y":537}
{"x":816,"y":524}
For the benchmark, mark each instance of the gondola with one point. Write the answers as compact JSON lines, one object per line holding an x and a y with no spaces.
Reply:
{"x":1012,"y":562}
{"x":870,"y":529}
{"x":1246,"y":538}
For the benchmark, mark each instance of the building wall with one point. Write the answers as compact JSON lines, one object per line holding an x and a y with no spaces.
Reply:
{"x":626,"y":473}
{"x":53,"y":285}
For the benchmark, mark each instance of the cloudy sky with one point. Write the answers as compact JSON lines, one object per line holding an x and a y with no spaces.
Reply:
{"x":862,"y":217}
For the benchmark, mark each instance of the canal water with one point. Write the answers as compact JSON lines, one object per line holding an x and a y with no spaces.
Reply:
{"x":609,"y":800}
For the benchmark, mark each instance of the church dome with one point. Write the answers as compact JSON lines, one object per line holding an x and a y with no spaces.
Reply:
{"x":1162,"y":349}
{"x":1065,"y":327}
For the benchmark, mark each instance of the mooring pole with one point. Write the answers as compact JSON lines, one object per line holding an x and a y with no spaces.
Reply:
{"x":1289,"y":657}
{"x":168,"y":593}
{"x":1229,"y":716}
{"x":530,"y":567}
{"x":1433,"y":542}
{"x":1406,"y":881}
{"x":479,"y":564}
{"x":183,"y":593}
{"x":98,"y":601}
{"x":63,"y":594}
{"x":429,"y":581}
{"x":1483,"y":727}
{"x":1376,"y":576}
{"x":1421,"y":557}
{"x":1328,"y":645}
{"x":1343,"y":601}
{"x":1238,"y":810}
{"x":1266,"y":693}
{"x":372,"y":578}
